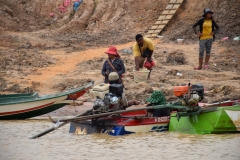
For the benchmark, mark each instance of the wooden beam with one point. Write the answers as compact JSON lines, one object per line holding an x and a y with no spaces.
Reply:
{"x":170,"y":6}
{"x":153,"y":36}
{"x":162,"y":17}
{"x":150,"y":31}
{"x":165,"y":12}
{"x":168,"y":17}
{"x":176,"y":6}
{"x":154,"y":27}
{"x":158,"y":22}
{"x":173,"y":11}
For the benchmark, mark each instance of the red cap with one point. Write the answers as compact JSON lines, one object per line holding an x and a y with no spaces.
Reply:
{"x":112,"y":50}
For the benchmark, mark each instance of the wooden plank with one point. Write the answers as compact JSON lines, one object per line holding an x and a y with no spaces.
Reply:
{"x":170,"y":6}
{"x":162,"y":17}
{"x":168,"y":17}
{"x":150,"y":31}
{"x":165,"y":12}
{"x":148,"y":35}
{"x":176,"y":6}
{"x":172,"y":11}
{"x":180,"y":1}
{"x":165,"y":21}
{"x":161,"y":26}
{"x":158,"y":30}
{"x":158,"y":22}
{"x":154,"y":27}
{"x":154,"y":35}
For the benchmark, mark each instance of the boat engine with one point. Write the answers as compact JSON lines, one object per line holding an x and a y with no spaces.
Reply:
{"x":189,"y":95}
{"x":111,"y":100}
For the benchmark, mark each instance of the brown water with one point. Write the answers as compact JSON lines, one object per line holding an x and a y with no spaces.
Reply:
{"x":61,"y":145}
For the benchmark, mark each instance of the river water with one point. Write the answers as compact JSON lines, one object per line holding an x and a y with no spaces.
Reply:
{"x":61,"y":145}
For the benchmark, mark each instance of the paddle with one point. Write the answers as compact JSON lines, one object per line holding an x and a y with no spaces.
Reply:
{"x":118,"y":112}
{"x":57,"y":125}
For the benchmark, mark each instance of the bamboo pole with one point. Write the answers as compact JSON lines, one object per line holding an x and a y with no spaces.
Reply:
{"x":118,"y":112}
{"x":57,"y":125}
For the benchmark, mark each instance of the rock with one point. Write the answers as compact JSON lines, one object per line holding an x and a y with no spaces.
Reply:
{"x":149,"y":90}
{"x":8,"y":10}
{"x":77,"y":103}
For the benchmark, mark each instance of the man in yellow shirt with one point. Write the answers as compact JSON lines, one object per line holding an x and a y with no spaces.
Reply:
{"x":206,"y":36}
{"x":142,"y":50}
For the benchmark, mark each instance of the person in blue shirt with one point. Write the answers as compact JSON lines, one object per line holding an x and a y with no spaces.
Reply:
{"x":76,"y":5}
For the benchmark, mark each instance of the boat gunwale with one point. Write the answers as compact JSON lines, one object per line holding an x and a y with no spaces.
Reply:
{"x":17,"y":95}
{"x":34,"y":94}
{"x":52,"y":96}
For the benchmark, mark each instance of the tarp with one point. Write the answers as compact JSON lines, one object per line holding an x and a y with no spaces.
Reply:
{"x":66,"y":3}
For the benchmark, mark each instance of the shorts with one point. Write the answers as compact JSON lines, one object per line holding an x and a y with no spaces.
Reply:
{"x":205,"y":44}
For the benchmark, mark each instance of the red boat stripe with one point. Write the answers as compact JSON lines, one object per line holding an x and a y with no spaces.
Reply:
{"x":26,"y":110}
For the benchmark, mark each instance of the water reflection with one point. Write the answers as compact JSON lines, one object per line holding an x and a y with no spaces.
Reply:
{"x":15,"y":144}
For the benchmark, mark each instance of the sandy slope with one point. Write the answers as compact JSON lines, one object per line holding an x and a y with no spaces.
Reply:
{"x":52,"y":54}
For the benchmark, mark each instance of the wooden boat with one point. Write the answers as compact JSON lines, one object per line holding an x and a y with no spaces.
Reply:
{"x":186,"y":115}
{"x":211,"y":119}
{"x":22,"y":106}
{"x":126,"y":123}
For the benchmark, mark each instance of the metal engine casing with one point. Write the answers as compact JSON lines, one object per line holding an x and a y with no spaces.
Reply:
{"x":196,"y":95}
{"x":109,"y":103}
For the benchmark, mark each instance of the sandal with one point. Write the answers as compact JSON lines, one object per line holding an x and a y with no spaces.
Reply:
{"x":197,"y":68}
{"x":206,"y":66}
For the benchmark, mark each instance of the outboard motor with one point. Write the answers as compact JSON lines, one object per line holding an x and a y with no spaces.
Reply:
{"x":109,"y":97}
{"x":190,"y":95}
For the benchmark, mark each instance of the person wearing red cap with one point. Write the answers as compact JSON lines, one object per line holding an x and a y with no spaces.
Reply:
{"x":113,"y":64}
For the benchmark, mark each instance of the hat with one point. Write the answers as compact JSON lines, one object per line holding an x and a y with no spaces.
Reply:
{"x":112,"y":50}
{"x":113,"y":76}
{"x":206,"y":11}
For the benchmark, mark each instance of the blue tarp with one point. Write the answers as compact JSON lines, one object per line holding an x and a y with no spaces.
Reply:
{"x":76,"y":5}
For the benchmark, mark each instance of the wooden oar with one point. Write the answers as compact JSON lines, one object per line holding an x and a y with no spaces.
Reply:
{"x":57,"y":125}
{"x":82,"y":118}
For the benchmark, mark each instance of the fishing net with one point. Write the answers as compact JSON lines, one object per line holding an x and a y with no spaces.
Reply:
{"x":157,"y":97}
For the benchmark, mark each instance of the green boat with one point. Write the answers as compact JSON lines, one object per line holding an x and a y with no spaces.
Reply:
{"x":210,"y":121}
{"x":28,"y":105}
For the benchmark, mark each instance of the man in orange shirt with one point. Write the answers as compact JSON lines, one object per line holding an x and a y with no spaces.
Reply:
{"x":206,"y":36}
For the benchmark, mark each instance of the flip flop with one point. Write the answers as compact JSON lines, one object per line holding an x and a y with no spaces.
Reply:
{"x":206,"y":66}
{"x":197,"y":68}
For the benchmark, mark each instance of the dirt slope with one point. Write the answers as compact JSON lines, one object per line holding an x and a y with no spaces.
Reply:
{"x":50,"y":54}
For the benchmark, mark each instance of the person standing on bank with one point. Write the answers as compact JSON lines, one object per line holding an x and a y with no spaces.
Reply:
{"x":113,"y":64}
{"x":142,"y":50}
{"x":207,"y":30}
